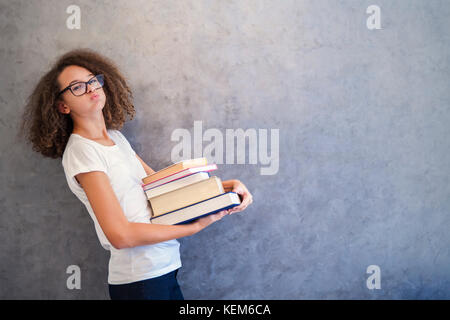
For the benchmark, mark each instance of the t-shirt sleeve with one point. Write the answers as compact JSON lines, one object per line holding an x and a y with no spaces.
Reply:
{"x":82,"y":158}
{"x":125,"y":142}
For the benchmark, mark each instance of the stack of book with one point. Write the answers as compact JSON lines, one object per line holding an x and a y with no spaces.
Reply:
{"x":186,"y":191}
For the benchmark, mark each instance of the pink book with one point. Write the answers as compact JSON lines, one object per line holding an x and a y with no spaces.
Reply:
{"x":178,"y":175}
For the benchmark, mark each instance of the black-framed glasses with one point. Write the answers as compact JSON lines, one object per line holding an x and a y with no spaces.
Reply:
{"x":80,"y":88}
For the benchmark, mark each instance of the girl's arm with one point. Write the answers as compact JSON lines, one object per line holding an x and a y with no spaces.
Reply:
{"x":118,"y":230}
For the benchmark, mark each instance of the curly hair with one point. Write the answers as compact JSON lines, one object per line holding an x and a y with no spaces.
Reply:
{"x":46,"y":128}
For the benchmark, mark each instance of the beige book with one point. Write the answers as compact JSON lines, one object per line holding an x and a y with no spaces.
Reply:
{"x":186,"y":196}
{"x":174,"y":168}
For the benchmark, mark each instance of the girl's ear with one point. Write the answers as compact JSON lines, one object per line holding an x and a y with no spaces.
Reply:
{"x":62,"y":107}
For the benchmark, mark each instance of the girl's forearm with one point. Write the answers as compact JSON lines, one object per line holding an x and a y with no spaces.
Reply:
{"x":139,"y":234}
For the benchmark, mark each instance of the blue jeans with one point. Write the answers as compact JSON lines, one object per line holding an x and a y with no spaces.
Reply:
{"x":164,"y":287}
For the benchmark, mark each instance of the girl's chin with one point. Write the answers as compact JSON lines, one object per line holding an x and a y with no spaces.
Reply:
{"x":99,"y":104}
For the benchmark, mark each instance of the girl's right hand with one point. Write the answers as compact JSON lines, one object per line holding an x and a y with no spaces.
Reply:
{"x":210,"y":219}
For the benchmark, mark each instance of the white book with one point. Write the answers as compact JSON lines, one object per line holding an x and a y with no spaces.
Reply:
{"x":176,"y":184}
{"x":213,"y":205}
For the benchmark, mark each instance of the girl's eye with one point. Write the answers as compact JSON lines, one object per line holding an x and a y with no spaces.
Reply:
{"x":77,"y":87}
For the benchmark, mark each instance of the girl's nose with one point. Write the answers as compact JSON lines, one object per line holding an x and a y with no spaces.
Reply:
{"x":90,"y":88}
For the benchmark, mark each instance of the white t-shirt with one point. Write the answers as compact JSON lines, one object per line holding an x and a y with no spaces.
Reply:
{"x":125,"y":173}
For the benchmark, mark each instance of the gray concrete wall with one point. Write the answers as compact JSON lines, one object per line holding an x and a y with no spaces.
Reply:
{"x":364,"y":152}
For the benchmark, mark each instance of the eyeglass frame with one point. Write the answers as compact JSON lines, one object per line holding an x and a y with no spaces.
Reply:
{"x":69,"y":87}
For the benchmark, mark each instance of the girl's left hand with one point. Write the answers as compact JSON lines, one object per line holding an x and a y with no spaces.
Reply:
{"x":238,"y":187}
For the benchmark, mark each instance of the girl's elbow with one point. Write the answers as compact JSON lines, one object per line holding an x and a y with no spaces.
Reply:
{"x":119,"y":244}
{"x":121,"y":240}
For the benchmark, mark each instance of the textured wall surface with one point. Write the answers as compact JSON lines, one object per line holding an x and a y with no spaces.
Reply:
{"x":364,"y":150}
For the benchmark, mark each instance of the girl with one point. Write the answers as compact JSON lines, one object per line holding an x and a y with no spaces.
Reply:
{"x":75,"y":113}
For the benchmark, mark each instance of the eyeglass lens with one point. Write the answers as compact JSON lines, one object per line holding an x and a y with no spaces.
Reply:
{"x":79,"y":89}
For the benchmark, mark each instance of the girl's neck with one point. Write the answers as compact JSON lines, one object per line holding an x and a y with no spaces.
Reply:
{"x":92,"y":134}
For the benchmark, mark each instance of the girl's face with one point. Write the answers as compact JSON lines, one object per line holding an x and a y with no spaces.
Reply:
{"x":90,"y":103}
